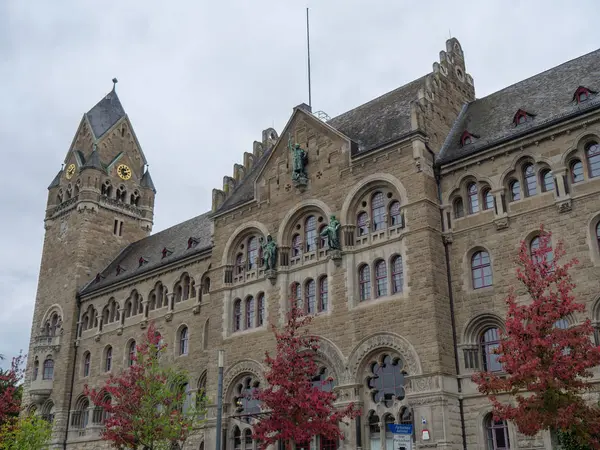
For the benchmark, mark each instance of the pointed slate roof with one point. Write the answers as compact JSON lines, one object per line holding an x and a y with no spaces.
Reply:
{"x":147,"y":182}
{"x":548,"y":96}
{"x":105,"y":114}
{"x":56,"y":180}
{"x":94,"y":161}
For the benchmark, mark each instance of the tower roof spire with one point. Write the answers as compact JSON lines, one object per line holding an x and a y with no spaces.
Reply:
{"x":106,"y":113}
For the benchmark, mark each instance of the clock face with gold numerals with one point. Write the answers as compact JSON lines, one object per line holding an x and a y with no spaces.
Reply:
{"x":70,"y":171}
{"x":124,"y":172}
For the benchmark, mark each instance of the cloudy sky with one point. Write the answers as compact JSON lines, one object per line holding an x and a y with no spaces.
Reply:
{"x":200,"y":80}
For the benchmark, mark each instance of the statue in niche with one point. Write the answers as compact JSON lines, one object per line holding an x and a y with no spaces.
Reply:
{"x":299,"y":162}
{"x":269,"y":253}
{"x":332,"y":233}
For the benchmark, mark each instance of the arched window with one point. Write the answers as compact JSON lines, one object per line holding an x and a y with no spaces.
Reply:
{"x":473,"y":196}
{"x":250,"y":312}
{"x":201,"y":398}
{"x":364,"y":281}
{"x":131,"y":353}
{"x":592,"y":153}
{"x":530,"y":180}
{"x":239,"y":264}
{"x":397,"y":274}
{"x":547,"y":181}
{"x":296,"y":294}
{"x":562,"y":324}
{"x":374,"y":431}
{"x":488,"y":199}
{"x":248,"y":443}
{"x":183,"y":341}
{"x":322,"y":239}
{"x":481,"y":270}
{"x":386,"y":380}
{"x":323,"y":292}
{"x":108,"y":359}
{"x":260,"y":309}
{"x":459,"y":210}
{"x":237,"y":438}
{"x":86,"y":364}
{"x":48,"y":411}
{"x":237,"y":315}
{"x":381,"y":279}
{"x":535,"y":245}
{"x":490,"y":340}
{"x":378,"y":211}
{"x":48,"y":372}
{"x":82,"y":414}
{"x":515,"y":191}
{"x":310,"y":292}
{"x":496,"y":434}
{"x":395,"y":213}
{"x":296,"y":245}
{"x":576,"y":171}
{"x":310,"y":233}
{"x":362,"y":223}
{"x":36,"y":368}
{"x":598,"y":235}
{"x":245,"y":400}
{"x":252,"y":252}
{"x":121,"y":194}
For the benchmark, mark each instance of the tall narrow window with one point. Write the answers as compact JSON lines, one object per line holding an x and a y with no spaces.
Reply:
{"x":535,"y":245}
{"x":515,"y":191}
{"x":237,"y":439}
{"x":108,"y":360}
{"x":374,"y":431}
{"x":395,"y":214}
{"x":183,"y":341}
{"x":490,"y":341}
{"x":322,"y":239}
{"x":131,"y":354}
{"x":86,"y":364}
{"x":547,"y":181}
{"x":488,"y":199}
{"x":530,"y":180}
{"x":459,"y":210}
{"x":481,"y":270}
{"x":397,"y":274}
{"x":364,"y":280}
{"x":252,"y":252}
{"x":260,"y":309}
{"x":496,"y":434}
{"x":239,"y":264}
{"x":250,"y":312}
{"x":296,"y":293}
{"x":36,"y":368}
{"x":473,"y":198}
{"x":48,"y":372}
{"x":237,"y":315}
{"x":310,"y":233}
{"x":323,"y":293}
{"x":381,"y":279}
{"x":598,"y":235}
{"x":296,"y":245}
{"x":592,"y":153}
{"x":576,"y":171}
{"x":378,"y":211}
{"x":362,"y":223}
{"x":310,"y":291}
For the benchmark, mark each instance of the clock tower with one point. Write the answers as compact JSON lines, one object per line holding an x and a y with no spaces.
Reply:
{"x":100,"y":201}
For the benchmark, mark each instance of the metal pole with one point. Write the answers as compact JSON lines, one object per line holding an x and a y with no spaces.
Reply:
{"x":219,"y":400}
{"x":308,"y":47}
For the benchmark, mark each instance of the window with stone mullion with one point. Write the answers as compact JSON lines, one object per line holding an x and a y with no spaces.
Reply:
{"x":378,"y":211}
{"x":310,"y":292}
{"x":592,"y":153}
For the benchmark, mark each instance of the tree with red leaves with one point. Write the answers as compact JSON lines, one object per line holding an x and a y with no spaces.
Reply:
{"x":545,"y":364}
{"x":297,"y":408}
{"x":147,"y":404}
{"x":11,"y":389}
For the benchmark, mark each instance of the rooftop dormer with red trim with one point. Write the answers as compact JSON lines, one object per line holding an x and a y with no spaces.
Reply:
{"x":582,"y":94}
{"x":521,"y":117}
{"x":467,"y":138}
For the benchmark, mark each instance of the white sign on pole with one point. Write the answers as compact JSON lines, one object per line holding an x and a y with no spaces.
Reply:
{"x":402,"y":442}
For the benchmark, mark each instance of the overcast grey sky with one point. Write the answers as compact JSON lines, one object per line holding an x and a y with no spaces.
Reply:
{"x":200,"y":80}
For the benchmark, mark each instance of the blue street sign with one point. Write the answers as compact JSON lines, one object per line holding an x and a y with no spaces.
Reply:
{"x":399,"y":428}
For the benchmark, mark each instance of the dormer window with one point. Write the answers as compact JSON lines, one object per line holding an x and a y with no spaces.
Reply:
{"x":142,"y":261}
{"x":120,"y":269}
{"x":582,"y":94}
{"x":166,"y":252}
{"x":522,"y":117}
{"x":467,"y":138}
{"x":192,"y":242}
{"x":98,"y":278}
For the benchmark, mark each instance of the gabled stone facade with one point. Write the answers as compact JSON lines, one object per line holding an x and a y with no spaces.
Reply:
{"x":422,"y":181}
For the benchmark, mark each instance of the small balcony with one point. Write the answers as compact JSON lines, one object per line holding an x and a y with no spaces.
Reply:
{"x":41,"y":388}
{"x":43,"y":343}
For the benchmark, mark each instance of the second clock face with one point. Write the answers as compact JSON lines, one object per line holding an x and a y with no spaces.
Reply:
{"x":124,"y":172}
{"x":70,"y":171}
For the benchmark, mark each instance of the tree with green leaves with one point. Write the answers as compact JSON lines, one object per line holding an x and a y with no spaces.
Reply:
{"x":148,"y":405}
{"x":31,"y":432}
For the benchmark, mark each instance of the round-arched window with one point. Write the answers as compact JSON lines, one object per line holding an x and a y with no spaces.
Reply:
{"x":386,"y":380}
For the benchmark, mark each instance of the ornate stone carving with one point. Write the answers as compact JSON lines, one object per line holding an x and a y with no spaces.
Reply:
{"x":169,"y":317}
{"x":271,"y":275}
{"x":447,"y":238}
{"x":422,"y":384}
{"x":332,"y":355}
{"x":501,"y":223}
{"x":382,"y":341}
{"x":144,"y":324}
{"x":336,"y":256}
{"x":196,"y":309}
{"x":239,"y":368}
{"x":564,"y":205}
{"x":119,"y":331}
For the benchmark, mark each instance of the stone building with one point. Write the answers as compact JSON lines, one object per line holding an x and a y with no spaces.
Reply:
{"x":434,"y":191}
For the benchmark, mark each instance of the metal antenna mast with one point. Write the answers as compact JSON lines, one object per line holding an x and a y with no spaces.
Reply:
{"x":308,"y":55}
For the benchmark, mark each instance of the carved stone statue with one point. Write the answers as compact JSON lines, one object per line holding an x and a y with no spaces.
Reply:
{"x":269,"y":252}
{"x":332,"y":233}
{"x":299,"y":162}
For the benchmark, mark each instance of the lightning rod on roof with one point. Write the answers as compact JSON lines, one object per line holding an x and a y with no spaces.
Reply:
{"x":115,"y":81}
{"x":308,"y":58}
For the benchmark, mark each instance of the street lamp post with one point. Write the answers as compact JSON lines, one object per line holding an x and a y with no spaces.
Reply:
{"x":219,"y":400}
